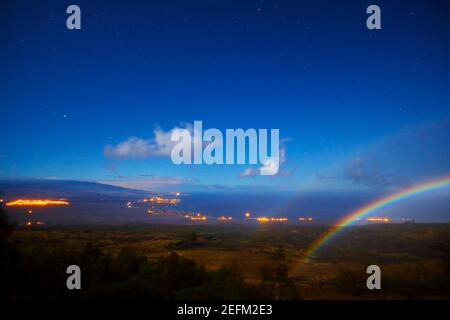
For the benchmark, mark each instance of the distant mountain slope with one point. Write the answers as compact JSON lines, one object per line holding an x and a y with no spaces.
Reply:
{"x":65,"y":189}
{"x":90,"y":202}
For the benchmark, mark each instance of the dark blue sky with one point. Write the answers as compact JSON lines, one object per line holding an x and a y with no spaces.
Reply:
{"x":358,"y":109}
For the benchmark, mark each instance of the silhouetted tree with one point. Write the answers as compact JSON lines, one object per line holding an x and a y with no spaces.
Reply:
{"x":275,"y":277}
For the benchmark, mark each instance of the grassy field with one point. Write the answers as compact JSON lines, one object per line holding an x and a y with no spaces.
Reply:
{"x":414,"y":258}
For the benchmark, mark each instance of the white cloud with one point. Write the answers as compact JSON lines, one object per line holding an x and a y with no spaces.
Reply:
{"x":132,"y":148}
{"x":138,"y":148}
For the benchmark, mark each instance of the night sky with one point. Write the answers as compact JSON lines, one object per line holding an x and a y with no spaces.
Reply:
{"x":358,"y":110}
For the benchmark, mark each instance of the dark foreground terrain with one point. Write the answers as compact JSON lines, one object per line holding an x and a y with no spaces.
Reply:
{"x":225,"y":262}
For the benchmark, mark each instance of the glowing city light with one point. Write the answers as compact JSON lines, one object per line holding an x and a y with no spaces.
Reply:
{"x":378,"y":219}
{"x":161,"y":200}
{"x":202,"y":218}
{"x":266,"y":219}
{"x":38,"y":202}
{"x":196,"y":217}
{"x":224,"y":218}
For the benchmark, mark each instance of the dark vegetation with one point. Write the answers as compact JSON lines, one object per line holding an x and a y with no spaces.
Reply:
{"x":207,"y":262}
{"x":126,"y":276}
{"x":39,"y":273}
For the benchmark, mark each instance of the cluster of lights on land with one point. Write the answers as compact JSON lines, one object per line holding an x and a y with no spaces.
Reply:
{"x":378,"y":219}
{"x":35,"y":203}
{"x":272,"y":219}
{"x":225,"y":218}
{"x":155,"y":200}
{"x":196,"y":217}
{"x":158,"y":200}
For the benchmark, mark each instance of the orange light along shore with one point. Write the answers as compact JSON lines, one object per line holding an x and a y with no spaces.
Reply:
{"x":266,"y":219}
{"x":38,"y":202}
{"x":196,"y":217}
{"x":224,"y":218}
{"x":203,"y":218}
{"x":377,"y":219}
{"x":160,"y":200}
